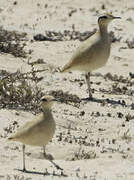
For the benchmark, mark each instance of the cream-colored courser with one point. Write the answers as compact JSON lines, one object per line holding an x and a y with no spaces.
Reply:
{"x":39,"y":131}
{"x":94,"y":52}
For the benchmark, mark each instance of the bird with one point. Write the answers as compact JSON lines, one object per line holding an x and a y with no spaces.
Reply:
{"x":39,"y":131}
{"x":93,"y":53}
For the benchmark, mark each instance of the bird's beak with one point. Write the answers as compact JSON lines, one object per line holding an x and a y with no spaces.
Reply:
{"x":116,"y":17}
{"x":58,"y":100}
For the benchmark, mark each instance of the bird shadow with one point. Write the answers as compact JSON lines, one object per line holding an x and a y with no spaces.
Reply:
{"x":43,"y":173}
{"x":106,"y":101}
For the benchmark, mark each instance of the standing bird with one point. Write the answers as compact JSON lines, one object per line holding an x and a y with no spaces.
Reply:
{"x":93,"y":53}
{"x":39,"y":131}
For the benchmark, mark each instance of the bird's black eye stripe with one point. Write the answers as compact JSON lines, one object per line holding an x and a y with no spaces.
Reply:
{"x":44,"y":100}
{"x":102,"y":17}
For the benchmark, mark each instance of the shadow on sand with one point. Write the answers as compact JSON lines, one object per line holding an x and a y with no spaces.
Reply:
{"x":46,"y":173}
{"x":106,"y":101}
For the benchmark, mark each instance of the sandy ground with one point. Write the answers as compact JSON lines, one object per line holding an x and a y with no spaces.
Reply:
{"x":95,"y":140}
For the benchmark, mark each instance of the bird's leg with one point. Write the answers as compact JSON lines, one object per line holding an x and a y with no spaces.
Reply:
{"x":56,"y":165}
{"x":87,"y":75}
{"x":50,"y":159}
{"x":44,"y":152}
{"x":23,"y":149}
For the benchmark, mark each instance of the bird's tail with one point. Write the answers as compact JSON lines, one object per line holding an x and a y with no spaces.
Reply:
{"x":65,"y":69}
{"x":61,"y":70}
{"x":11,"y":138}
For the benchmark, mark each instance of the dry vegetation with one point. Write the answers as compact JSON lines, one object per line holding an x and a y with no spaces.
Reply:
{"x":12,"y":42}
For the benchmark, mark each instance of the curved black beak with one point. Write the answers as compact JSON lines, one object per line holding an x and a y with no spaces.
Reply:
{"x":56,"y":99}
{"x":116,"y":17}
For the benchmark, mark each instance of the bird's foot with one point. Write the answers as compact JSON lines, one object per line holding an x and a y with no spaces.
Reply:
{"x":24,"y":170}
{"x":90,"y":98}
{"x":46,"y":173}
{"x":56,"y":165}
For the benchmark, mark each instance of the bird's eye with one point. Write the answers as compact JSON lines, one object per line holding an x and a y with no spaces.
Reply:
{"x":44,"y":100}
{"x":102,"y":17}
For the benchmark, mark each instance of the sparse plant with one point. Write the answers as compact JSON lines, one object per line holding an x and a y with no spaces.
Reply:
{"x":18,"y":90}
{"x":126,"y":135}
{"x":66,"y":97}
{"x":83,"y":154}
{"x":11,"y":43}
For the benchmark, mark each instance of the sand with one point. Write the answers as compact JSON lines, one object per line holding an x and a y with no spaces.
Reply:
{"x":94,"y":140}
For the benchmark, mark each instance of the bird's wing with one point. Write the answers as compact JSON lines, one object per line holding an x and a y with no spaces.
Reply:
{"x":84,"y":51}
{"x":26,"y":127}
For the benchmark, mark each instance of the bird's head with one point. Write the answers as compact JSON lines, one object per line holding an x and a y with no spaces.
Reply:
{"x":47,"y":102}
{"x":105,"y":19}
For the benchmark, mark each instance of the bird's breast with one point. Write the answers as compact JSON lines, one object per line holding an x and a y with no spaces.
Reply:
{"x":100,"y":56}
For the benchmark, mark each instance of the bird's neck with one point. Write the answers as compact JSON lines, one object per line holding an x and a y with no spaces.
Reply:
{"x":47,"y":112}
{"x":103,"y":31}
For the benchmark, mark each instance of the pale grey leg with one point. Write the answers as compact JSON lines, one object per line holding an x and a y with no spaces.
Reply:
{"x":23,"y":149}
{"x":44,"y":152}
{"x":87,"y":75}
{"x":49,"y":159}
